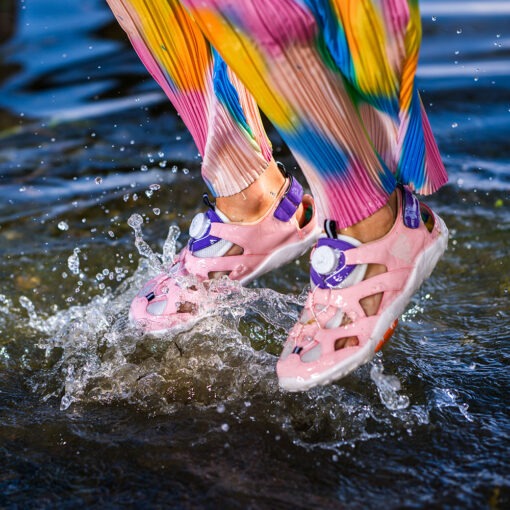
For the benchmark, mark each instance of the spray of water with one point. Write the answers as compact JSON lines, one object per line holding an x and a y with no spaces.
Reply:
{"x":135,"y":221}
{"x":388,"y":387}
{"x":226,"y":358}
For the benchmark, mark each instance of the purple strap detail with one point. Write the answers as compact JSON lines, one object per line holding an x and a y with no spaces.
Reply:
{"x":410,"y":209}
{"x":338,"y":275}
{"x":290,"y":201}
{"x":206,"y":240}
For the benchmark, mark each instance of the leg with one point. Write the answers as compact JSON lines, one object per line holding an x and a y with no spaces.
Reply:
{"x":198,"y":84}
{"x":238,"y":167}
{"x":337,"y":80}
{"x":352,"y":121}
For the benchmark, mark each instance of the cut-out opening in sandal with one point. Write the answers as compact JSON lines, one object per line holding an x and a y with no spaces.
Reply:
{"x":347,"y":341}
{"x":343,"y":343}
{"x":186,"y":307}
{"x":235,"y":249}
{"x":312,"y":354}
{"x":156,"y":308}
{"x":427,"y":217}
{"x":308,"y":212}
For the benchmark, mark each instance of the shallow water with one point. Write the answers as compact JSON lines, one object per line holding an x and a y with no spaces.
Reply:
{"x":92,"y":413}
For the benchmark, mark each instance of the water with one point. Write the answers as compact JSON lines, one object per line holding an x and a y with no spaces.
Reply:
{"x":93,"y":413}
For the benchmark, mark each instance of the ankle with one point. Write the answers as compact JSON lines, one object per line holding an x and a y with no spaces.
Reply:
{"x":253,"y":202}
{"x":377,"y":225}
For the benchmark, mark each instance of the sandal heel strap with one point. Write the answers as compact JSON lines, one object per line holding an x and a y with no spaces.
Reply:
{"x":290,"y":201}
{"x":410,"y":208}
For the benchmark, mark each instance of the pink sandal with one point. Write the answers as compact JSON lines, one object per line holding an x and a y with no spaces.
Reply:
{"x":177,"y":297}
{"x":409,"y":251}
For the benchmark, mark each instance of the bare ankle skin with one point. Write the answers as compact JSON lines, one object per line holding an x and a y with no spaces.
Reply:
{"x":253,"y":202}
{"x":375,"y":226}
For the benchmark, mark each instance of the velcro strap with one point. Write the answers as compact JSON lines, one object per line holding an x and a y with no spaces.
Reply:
{"x":410,"y":208}
{"x":290,"y":201}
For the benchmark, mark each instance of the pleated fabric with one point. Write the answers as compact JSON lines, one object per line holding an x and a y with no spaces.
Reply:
{"x":221,"y":115}
{"x":335,"y":77}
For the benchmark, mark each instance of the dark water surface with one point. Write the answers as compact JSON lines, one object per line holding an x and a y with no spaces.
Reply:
{"x":93,"y":414}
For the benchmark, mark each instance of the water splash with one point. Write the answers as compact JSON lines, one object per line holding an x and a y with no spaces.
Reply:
{"x":93,"y":354}
{"x":225,"y":358}
{"x":30,"y":308}
{"x":388,"y":387}
{"x":170,"y":246}
{"x":447,"y":397}
{"x":158,"y":263}
{"x":135,"y":221}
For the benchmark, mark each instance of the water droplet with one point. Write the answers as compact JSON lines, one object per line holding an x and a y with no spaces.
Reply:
{"x":62,"y":225}
{"x":135,"y":221}
{"x":185,"y":171}
{"x":454,"y":125}
{"x":98,"y":180}
{"x":156,"y":211}
{"x":144,"y":168}
{"x":73,"y":262}
{"x":220,"y":408}
{"x":459,"y":31}
{"x":434,"y":18}
{"x":225,"y":427}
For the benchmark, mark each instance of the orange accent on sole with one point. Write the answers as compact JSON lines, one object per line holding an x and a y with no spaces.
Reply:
{"x":387,"y":336}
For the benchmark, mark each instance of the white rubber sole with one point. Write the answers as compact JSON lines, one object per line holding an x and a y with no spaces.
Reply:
{"x":423,"y":269}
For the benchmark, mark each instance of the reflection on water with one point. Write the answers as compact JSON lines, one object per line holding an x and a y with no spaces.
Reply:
{"x":92,"y":411}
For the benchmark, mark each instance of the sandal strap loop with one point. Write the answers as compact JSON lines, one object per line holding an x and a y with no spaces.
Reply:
{"x":410,"y":208}
{"x":290,"y":201}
